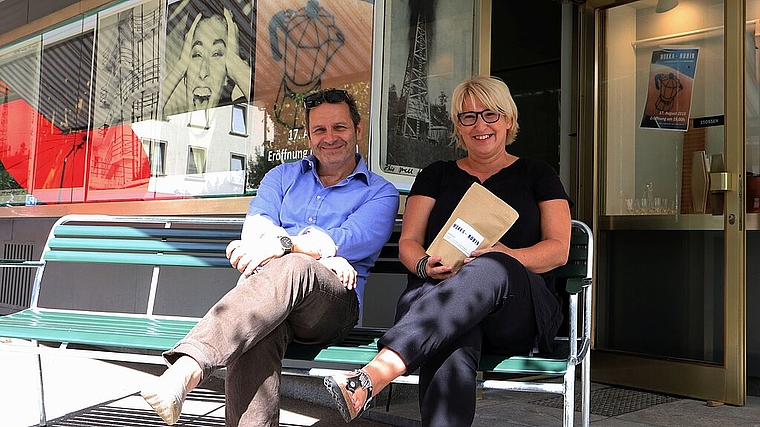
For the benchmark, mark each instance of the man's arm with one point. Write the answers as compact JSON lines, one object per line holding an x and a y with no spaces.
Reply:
{"x":366,"y":230}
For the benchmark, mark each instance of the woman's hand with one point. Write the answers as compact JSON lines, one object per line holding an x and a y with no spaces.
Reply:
{"x":497,"y":247}
{"x":237,"y":69}
{"x":342,"y":269}
{"x":435,"y":270}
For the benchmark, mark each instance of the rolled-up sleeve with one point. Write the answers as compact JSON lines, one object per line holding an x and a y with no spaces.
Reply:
{"x":321,"y":240}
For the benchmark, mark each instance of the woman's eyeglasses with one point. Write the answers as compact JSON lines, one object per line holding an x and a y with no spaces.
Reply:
{"x":331,"y":96}
{"x":468,"y":118}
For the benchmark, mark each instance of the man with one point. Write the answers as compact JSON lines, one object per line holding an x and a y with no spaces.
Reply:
{"x":311,"y":234}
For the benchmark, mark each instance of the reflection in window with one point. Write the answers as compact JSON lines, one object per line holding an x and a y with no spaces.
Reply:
{"x":239,"y":126}
{"x":237,"y":162}
{"x":196,"y":160}
{"x":157,"y":156}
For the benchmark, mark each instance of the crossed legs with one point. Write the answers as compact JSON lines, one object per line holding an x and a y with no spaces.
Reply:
{"x":293,"y":298}
{"x":441,"y":333}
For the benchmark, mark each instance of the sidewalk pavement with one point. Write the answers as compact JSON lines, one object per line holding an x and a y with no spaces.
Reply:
{"x":83,"y":392}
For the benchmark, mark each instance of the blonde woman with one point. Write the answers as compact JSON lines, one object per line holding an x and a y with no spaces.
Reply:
{"x":502,"y":299}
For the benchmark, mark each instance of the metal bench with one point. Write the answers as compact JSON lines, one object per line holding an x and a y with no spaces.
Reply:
{"x":152,"y":258}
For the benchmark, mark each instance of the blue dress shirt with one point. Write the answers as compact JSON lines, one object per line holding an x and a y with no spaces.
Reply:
{"x":357,"y":213}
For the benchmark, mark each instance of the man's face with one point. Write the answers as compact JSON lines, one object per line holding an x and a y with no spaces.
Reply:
{"x":207,"y":72}
{"x":332,"y":136}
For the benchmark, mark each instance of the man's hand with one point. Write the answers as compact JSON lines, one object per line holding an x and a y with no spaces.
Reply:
{"x":246,"y":257}
{"x":342,"y":269}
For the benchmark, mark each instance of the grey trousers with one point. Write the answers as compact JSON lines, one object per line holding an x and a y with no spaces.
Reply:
{"x":294,"y":298}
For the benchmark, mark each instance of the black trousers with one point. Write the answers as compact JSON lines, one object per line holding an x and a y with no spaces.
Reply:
{"x":442,"y":327}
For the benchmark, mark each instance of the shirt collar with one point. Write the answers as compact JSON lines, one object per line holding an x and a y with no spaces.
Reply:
{"x":308,"y":163}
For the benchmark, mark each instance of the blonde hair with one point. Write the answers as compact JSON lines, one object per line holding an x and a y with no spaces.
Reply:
{"x":493,"y":93}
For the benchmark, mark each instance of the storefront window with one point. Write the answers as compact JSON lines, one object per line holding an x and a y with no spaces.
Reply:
{"x":124,"y":103}
{"x":428,"y":48}
{"x":663,"y":110}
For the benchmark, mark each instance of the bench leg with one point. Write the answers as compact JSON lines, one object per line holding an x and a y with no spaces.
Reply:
{"x":569,"y":398}
{"x":586,"y":391}
{"x":40,"y":388}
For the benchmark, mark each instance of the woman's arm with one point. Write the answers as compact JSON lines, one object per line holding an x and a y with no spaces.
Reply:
{"x":410,"y":243}
{"x":551,"y":252}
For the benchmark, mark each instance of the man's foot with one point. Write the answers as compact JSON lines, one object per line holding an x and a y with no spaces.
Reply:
{"x":166,"y":396}
{"x":344,"y":387}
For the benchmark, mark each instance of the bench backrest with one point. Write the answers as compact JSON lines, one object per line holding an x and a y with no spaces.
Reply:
{"x":121,"y":261}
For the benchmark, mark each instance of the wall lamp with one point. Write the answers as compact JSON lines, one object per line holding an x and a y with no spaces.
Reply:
{"x":665,"y":5}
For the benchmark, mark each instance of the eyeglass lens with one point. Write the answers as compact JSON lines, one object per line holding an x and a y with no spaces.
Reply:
{"x":468,"y":118}
{"x":331,"y":96}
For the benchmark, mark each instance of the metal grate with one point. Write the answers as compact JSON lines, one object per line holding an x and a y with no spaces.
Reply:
{"x":16,"y":283}
{"x":613,"y":401}
{"x":113,"y":414}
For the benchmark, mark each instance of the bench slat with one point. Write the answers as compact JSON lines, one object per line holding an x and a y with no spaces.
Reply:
{"x":116,"y":231}
{"x":95,"y":329}
{"x":68,"y":243}
{"x":137,"y":258}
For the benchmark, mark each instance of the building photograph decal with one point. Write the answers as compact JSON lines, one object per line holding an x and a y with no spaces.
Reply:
{"x":127,"y":91}
{"x":45,"y":114}
{"x":429,"y":48}
{"x":19,"y":84}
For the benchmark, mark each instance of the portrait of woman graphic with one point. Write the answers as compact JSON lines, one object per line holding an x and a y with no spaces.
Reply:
{"x":209,"y":71}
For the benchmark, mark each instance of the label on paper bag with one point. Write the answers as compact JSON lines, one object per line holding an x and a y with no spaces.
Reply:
{"x":463,"y":237}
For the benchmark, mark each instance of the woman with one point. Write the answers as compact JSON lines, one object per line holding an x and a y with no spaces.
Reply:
{"x":502,"y":299}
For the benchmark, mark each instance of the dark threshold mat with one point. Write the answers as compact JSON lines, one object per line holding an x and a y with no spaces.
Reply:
{"x":612,"y":401}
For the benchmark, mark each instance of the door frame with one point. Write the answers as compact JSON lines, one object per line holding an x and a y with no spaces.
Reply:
{"x":726,"y":383}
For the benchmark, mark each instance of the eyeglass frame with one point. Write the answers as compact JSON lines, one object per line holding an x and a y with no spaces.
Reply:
{"x":481,"y":114}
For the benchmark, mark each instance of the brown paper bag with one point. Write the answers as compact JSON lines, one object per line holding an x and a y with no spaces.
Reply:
{"x":478,"y":221}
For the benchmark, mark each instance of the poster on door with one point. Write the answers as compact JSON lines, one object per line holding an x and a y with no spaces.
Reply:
{"x":669,"y":90}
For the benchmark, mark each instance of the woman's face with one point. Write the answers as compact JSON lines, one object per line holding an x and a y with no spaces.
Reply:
{"x":207,"y":71}
{"x":483,"y":138}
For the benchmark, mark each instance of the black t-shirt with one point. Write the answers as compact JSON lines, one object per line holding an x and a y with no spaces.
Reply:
{"x":523,"y":184}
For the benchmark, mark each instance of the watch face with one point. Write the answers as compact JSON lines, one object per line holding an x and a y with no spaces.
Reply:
{"x":286,"y":243}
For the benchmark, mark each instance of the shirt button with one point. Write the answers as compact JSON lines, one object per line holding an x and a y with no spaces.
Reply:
{"x":319,"y":197}
{"x":311,"y":219}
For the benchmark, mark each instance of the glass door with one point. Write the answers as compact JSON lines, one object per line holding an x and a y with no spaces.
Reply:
{"x":752,"y":199}
{"x":670,"y":219}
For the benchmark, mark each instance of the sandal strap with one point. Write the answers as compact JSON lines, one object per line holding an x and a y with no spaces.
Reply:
{"x":365,"y":382}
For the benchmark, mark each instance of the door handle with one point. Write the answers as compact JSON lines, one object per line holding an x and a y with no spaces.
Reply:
{"x":721,"y":181}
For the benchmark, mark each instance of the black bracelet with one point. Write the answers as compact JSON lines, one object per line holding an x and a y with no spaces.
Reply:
{"x":421,"y":264}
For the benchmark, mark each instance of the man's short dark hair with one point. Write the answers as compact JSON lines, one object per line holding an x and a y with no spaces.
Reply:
{"x":331,"y":96}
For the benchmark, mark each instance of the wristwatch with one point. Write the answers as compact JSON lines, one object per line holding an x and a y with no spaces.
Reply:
{"x":287,"y":244}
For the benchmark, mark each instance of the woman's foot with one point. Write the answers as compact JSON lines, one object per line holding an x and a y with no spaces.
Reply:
{"x":167,"y":393}
{"x":352,"y":392}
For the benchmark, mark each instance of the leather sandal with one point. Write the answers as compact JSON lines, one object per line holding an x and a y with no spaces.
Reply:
{"x":343,"y":386}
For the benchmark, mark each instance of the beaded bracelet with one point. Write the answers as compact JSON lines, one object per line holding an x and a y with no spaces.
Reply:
{"x":421,"y":270}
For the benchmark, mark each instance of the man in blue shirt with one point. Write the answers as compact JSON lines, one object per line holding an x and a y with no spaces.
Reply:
{"x":312,"y":232}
